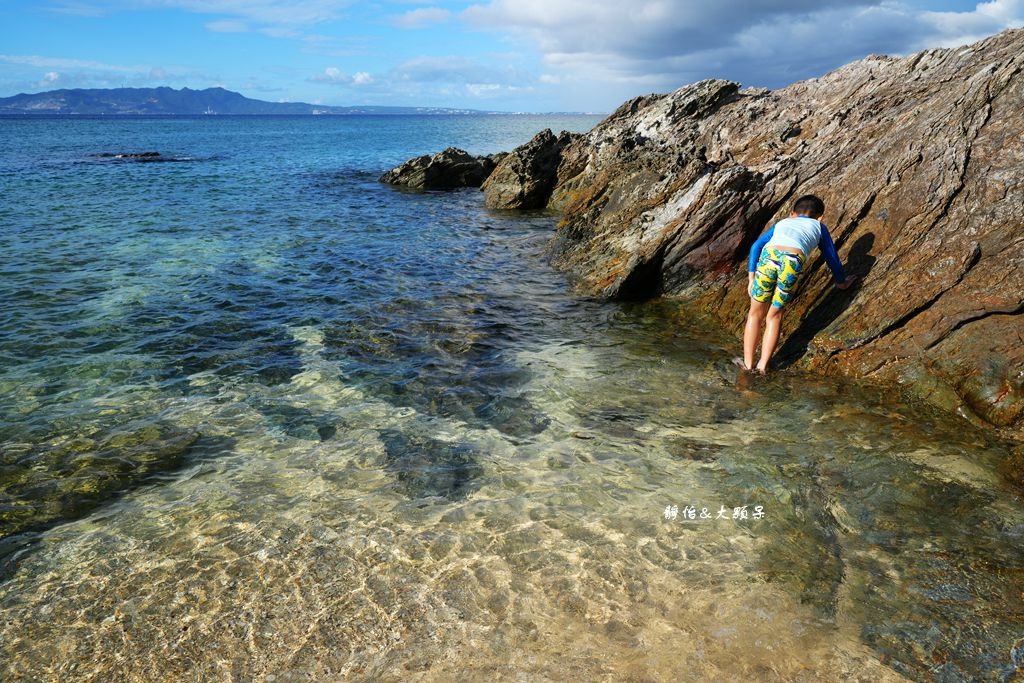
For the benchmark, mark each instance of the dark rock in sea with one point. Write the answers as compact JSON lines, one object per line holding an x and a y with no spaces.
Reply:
{"x":130,"y":156}
{"x":127,"y":155}
{"x":524,"y":179}
{"x":447,"y":170}
{"x":141,"y":157}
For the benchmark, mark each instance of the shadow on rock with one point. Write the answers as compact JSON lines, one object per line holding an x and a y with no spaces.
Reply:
{"x":859,"y":263}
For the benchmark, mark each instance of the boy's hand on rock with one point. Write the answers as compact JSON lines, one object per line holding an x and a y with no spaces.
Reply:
{"x":845,"y":284}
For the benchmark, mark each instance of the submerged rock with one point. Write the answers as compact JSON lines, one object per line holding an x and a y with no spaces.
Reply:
{"x":68,"y":477}
{"x":447,"y":170}
{"x":426,"y":467}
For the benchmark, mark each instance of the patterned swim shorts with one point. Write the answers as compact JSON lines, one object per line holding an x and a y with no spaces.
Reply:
{"x":776,"y":277}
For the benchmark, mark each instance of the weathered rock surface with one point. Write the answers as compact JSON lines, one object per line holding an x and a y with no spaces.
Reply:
{"x":921,"y":163}
{"x":525,"y":178}
{"x":447,"y":170}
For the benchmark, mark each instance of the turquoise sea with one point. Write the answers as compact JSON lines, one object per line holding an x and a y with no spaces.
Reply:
{"x":264,"y":418}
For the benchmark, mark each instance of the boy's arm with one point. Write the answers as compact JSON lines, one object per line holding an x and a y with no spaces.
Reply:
{"x":755,"y":250}
{"x":828,"y":250}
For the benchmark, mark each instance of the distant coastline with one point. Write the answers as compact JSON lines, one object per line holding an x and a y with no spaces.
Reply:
{"x":166,"y":101}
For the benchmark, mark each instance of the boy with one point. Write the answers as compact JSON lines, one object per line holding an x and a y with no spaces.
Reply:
{"x":774,"y":267}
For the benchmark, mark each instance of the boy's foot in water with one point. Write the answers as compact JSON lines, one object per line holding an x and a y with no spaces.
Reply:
{"x":743,"y":366}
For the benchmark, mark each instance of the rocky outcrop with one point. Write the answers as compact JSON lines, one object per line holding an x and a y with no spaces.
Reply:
{"x":450,"y":169}
{"x":921,"y":163}
{"x":525,"y":178}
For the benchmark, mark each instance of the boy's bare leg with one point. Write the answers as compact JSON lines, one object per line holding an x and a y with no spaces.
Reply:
{"x":755,"y":317}
{"x":772,"y":326}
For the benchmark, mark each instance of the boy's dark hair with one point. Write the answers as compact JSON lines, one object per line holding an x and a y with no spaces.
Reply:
{"x":809,"y":205}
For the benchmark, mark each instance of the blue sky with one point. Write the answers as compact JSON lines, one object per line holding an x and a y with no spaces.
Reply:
{"x":510,"y":55}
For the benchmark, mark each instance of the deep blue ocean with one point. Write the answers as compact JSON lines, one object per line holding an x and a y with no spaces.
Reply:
{"x":261,"y":415}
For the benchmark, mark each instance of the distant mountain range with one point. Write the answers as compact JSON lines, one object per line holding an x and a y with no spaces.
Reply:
{"x":168,"y":101}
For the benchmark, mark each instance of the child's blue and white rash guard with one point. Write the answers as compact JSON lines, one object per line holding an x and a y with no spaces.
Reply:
{"x":801,"y":233}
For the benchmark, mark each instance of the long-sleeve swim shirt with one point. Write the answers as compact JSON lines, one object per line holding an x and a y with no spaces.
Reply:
{"x":805,"y":234}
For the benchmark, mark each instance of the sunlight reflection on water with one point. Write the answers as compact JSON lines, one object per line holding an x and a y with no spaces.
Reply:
{"x":383,"y":440}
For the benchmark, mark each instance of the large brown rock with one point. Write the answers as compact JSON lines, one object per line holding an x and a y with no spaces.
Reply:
{"x":921,"y":163}
{"x":524,"y":179}
{"x":447,"y":170}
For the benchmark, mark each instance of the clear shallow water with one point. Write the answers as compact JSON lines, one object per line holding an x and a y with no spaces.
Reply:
{"x":262,"y":416}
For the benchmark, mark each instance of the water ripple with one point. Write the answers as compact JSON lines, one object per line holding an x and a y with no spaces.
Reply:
{"x":260,"y":415}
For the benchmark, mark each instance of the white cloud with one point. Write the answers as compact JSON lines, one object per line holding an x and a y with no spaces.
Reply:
{"x":277,"y":18}
{"x":418,"y":18}
{"x":227,"y":26}
{"x":482,"y":89}
{"x":62,"y":63}
{"x":332,"y":75}
{"x":335,"y":76}
{"x":437,"y":81}
{"x":959,"y":28}
{"x":459,"y":71}
{"x":661,"y":44}
{"x":78,"y":9}
{"x":83,"y":73}
{"x":281,"y":32}
{"x":263,"y":12}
